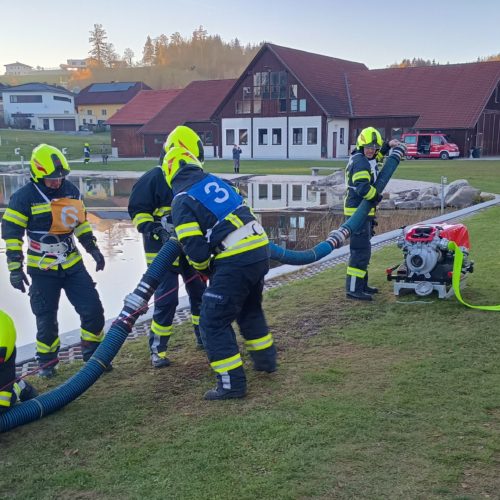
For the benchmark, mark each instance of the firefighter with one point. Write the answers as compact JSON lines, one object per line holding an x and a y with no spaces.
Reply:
{"x":149,"y":208}
{"x":361,"y":174}
{"x":49,"y":209}
{"x":11,"y":391}
{"x":223,"y":240}
{"x":86,"y":153}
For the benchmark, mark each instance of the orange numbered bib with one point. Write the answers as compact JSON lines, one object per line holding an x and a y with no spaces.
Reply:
{"x":66,"y":215}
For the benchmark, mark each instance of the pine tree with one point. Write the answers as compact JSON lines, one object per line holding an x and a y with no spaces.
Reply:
{"x":148,"y":52}
{"x":99,"y":51}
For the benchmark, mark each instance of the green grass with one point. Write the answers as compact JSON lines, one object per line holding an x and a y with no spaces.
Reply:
{"x":26,"y":140}
{"x":396,"y":399}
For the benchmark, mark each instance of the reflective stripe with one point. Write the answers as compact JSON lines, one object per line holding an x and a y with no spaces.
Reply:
{"x":82,"y":228}
{"x":195,"y":319}
{"x":43,"y":208}
{"x":225,"y":365}
{"x":189,"y":229}
{"x":161,"y":211}
{"x":350,"y":211}
{"x":141,"y":218}
{"x":15,"y":217}
{"x":18,"y":387}
{"x":363,"y":175}
{"x":235,"y":220}
{"x":13,"y":245}
{"x":12,"y":266}
{"x":5,"y":398}
{"x":200,"y":266}
{"x":371,"y":194}
{"x":249,"y":243}
{"x":91,"y":337}
{"x":46,"y":349}
{"x":150,"y":257}
{"x":35,"y":261}
{"x":354,"y":271}
{"x":161,"y":331}
{"x":259,"y":344}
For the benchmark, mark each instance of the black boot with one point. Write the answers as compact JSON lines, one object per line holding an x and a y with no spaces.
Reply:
{"x":355,"y":288}
{"x":230,"y":385}
{"x":24,"y":391}
{"x":264,"y":360}
{"x":369,"y":289}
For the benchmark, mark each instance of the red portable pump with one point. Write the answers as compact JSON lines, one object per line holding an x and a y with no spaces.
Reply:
{"x":428,"y":260}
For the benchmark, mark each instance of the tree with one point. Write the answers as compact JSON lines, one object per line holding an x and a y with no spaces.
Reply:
{"x":99,"y":46}
{"x":111,"y":55}
{"x":148,"y":52}
{"x":128,"y":57}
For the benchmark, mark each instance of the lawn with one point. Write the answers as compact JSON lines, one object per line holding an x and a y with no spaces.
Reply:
{"x":395,"y":399}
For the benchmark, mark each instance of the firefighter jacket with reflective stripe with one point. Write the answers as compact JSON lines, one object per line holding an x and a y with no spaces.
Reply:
{"x":30,"y":212}
{"x":149,"y":204}
{"x":205,"y":210}
{"x":360,"y":175}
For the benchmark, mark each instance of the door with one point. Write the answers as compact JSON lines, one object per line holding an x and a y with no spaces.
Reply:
{"x":437,"y":143}
{"x":45,"y":124}
{"x":334,"y":145}
{"x":424,"y":146}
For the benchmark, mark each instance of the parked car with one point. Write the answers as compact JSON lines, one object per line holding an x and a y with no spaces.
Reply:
{"x":429,"y":145}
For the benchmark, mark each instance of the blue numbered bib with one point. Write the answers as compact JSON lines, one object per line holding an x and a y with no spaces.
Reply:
{"x":217,"y":196}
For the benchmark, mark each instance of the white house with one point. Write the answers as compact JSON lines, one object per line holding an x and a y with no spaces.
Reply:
{"x":39,"y":106}
{"x":17,"y":68}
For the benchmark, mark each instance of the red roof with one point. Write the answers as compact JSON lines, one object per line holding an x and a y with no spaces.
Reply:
{"x":449,"y":96}
{"x":323,"y":76}
{"x":141,"y":108}
{"x":109,"y":93}
{"x":197,"y":102}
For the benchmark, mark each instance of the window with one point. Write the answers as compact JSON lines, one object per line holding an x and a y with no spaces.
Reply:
{"x":282,"y":106}
{"x":302,"y":105}
{"x":230,"y":137}
{"x":247,"y":93}
{"x":262,"y":136}
{"x":60,"y":98}
{"x":312,"y":136}
{"x":243,"y":134}
{"x":437,"y":139}
{"x":89,"y":112}
{"x":206,"y":138}
{"x":296,"y":192}
{"x":25,"y":98}
{"x":276,"y":136}
{"x":243,"y":107}
{"x":396,"y":133}
{"x":311,"y":194}
{"x":297,"y":136}
{"x":342,"y":135}
{"x":411,"y":139}
{"x":257,"y":106}
{"x":293,"y":91}
{"x":294,"y":105}
{"x":262,"y":191}
{"x":104,"y":112}
{"x":276,"y":191}
{"x":298,"y":222}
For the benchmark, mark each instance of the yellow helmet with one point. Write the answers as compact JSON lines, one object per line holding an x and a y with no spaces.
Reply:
{"x":47,"y":162}
{"x":187,"y":138}
{"x":7,"y":337}
{"x":175,"y":159}
{"x":369,"y":137}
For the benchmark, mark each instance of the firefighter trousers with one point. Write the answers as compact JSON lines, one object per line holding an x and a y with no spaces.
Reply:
{"x":360,"y":254}
{"x":234,"y":293}
{"x":45,"y":293}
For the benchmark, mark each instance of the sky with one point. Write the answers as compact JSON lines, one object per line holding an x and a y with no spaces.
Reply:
{"x":375,"y":33}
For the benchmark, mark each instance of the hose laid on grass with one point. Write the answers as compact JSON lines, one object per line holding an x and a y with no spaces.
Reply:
{"x":59,"y":397}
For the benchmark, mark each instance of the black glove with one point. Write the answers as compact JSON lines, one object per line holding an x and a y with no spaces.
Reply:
{"x":18,"y":279}
{"x":99,"y":259}
{"x":159,"y":233}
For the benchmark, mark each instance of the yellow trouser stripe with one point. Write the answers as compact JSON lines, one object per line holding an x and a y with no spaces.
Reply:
{"x":225,"y":365}
{"x":195,"y":319}
{"x":5,"y":398}
{"x":91,"y":337}
{"x":200,"y":266}
{"x":13,"y":244}
{"x":353,"y":271}
{"x":160,"y":330}
{"x":72,"y":259}
{"x":15,"y":217}
{"x":259,"y":344}
{"x":46,"y":349}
